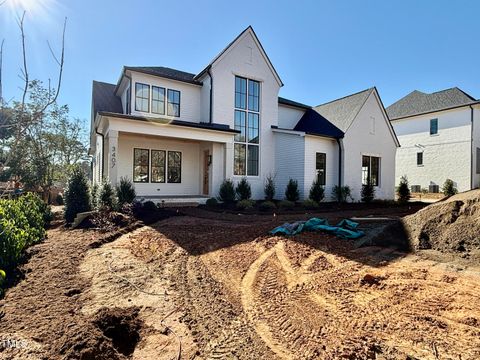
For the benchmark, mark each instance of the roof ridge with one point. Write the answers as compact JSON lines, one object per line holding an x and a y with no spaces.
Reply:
{"x":161,"y":67}
{"x":344,"y":97}
{"x":103,"y":82}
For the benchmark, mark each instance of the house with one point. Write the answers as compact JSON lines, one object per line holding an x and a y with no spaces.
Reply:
{"x":439,"y":135}
{"x":180,"y":135}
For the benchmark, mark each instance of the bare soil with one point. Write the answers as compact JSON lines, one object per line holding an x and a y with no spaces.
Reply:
{"x":217,"y":286}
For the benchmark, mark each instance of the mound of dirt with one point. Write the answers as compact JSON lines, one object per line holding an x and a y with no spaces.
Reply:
{"x":451,"y":225}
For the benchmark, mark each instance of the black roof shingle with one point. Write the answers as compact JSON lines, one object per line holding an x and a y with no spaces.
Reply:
{"x":315,"y":124}
{"x":288,"y":102}
{"x":165,"y":72}
{"x":104,"y":98}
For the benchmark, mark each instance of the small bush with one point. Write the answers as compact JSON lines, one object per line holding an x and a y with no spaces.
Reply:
{"x":368,"y":192}
{"x":212,"y":202}
{"x":449,"y":188}
{"x":243,"y":190}
{"x":291,"y":192}
{"x":245,"y":204}
{"x":342,"y":193}
{"x":59,"y":199}
{"x":403,"y":190}
{"x":317,"y":192}
{"x":269,"y":189}
{"x":149,"y":206}
{"x":94,"y":195}
{"x":310,"y":204}
{"x":286,"y":204}
{"x":227,"y":192}
{"x":267,"y":206}
{"x":125,"y":192}
{"x":77,"y":196}
{"x":106,"y":197}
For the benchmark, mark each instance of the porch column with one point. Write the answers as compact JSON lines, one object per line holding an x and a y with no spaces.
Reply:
{"x":112,"y":156}
{"x":228,"y":160}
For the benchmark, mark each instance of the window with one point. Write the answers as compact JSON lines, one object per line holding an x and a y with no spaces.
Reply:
{"x":142,"y":97}
{"x":370,"y":170}
{"x":174,"y":167}
{"x":433,"y":126}
{"x":420,"y":158}
{"x":140,"y":165}
{"x":173,"y":102}
{"x":158,"y":100}
{"x":247,"y":121}
{"x":158,"y":166}
{"x":321,"y":167}
{"x":128,"y":98}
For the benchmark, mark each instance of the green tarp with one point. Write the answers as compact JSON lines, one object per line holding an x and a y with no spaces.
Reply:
{"x":345,"y":229}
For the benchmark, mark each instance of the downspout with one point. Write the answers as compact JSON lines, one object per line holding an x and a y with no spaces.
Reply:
{"x":339,"y":162}
{"x":471,"y":148}
{"x":211,"y":95}
{"x":103,"y":151}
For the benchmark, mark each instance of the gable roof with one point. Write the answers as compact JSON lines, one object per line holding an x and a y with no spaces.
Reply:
{"x":165,"y":72}
{"x":250,"y":30}
{"x":342,"y":112}
{"x":104,"y":98}
{"x":418,"y":102}
{"x":289,"y":102}
{"x":315,"y":124}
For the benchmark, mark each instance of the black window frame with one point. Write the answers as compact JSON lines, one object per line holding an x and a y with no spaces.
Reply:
{"x":147,"y":98}
{"x":168,"y":102}
{"x":158,"y":100}
{"x":158,"y":166}
{"x":434,"y":121}
{"x":128,"y":100}
{"x":376,"y":181}
{"x":420,"y":158}
{"x":323,"y":179}
{"x":148,"y":166}
{"x":169,"y":167}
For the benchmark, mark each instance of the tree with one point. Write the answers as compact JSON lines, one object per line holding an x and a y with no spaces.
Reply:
{"x":269,"y":189}
{"x":449,"y":188}
{"x":317,"y":192}
{"x":77,"y":196}
{"x":106,"y":198}
{"x":243,"y":190}
{"x":368,"y":192}
{"x":403,"y":190}
{"x":291,"y":192}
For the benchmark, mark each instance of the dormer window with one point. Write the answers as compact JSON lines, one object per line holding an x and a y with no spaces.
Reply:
{"x":142,"y":97}
{"x":158,"y":100}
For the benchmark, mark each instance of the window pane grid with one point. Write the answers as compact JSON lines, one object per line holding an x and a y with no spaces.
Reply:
{"x":142,"y":97}
{"x":140,"y":165}
{"x":370,"y":170}
{"x":173,"y":103}
{"x":174,"y":166}
{"x":239,"y":163}
{"x":321,"y":165}
{"x":158,"y":100}
{"x":158,"y":166}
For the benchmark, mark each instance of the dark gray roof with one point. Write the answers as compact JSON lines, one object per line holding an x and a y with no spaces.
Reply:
{"x":342,"y":112}
{"x":418,"y":102}
{"x":288,"y":102}
{"x":315,"y":124}
{"x":104,"y":99}
{"x":165,"y":72}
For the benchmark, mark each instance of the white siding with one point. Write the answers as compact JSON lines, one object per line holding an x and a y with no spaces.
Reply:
{"x":289,"y":163}
{"x":205,"y":100}
{"x":476,"y":144}
{"x":313,"y":145}
{"x":445,"y":155}
{"x":359,"y":140}
{"x":288,"y":116}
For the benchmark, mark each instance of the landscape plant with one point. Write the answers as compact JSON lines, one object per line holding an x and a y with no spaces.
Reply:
{"x":286,"y":204}
{"x":291,"y":192}
{"x":368,"y":192}
{"x":125,"y":192}
{"x":243,"y":190}
{"x":94,"y":195}
{"x":317,"y":192}
{"x":310,"y":204}
{"x":267,"y":206}
{"x":269,"y":189}
{"x":403,"y":191}
{"x":212,"y":202}
{"x":342,"y":193}
{"x":77,"y":195}
{"x":449,"y":188}
{"x":106,"y":197}
{"x":245,"y":204}
{"x":227,"y":192}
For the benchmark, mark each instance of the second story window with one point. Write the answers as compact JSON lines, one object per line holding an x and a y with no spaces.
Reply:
{"x":158,"y":100}
{"x":420,"y":158}
{"x":433,"y":126}
{"x":173,"y":102}
{"x":142,"y":97}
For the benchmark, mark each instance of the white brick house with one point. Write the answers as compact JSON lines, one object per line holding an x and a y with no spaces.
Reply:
{"x":439,"y":135}
{"x":177,"y":134}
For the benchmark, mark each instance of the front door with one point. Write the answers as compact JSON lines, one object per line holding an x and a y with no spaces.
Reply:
{"x":205,"y":172}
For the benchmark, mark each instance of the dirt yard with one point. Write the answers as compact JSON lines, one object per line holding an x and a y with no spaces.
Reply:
{"x":213,"y":286}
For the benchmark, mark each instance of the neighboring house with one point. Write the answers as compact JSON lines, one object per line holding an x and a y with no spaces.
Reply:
{"x":177,"y":134}
{"x":439,"y":135}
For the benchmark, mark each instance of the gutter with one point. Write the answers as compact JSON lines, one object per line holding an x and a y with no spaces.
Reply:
{"x":211,"y":95}
{"x":103,"y":151}
{"x":339,"y":162}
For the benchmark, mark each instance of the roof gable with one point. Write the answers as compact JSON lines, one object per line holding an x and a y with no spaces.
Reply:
{"x":104,"y":98}
{"x":248,"y":31}
{"x":418,"y":102}
{"x":342,"y":112}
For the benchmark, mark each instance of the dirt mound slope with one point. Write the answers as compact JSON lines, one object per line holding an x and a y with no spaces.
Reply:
{"x":449,"y":225}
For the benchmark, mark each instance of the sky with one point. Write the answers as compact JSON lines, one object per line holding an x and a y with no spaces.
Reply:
{"x":322,"y":50}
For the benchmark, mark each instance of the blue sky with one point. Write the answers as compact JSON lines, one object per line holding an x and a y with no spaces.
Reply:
{"x":322,"y":50}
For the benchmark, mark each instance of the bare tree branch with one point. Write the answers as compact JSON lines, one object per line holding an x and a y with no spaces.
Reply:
{"x":1,"y":61}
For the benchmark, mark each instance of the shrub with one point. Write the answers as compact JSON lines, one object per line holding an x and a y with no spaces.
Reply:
{"x":342,"y":193}
{"x":77,"y":196}
{"x":149,"y":206}
{"x":245,"y":204}
{"x":269,"y":189}
{"x":243,"y":190}
{"x":310,"y":204}
{"x":212,"y":202}
{"x":368,"y":192}
{"x":125,"y":192}
{"x":106,"y":196}
{"x":267,"y":206}
{"x":317,"y":192}
{"x":449,"y":188}
{"x":94,"y":195}
{"x":403,"y":190}
{"x":59,"y":199}
{"x":286,"y":204}
{"x":291,"y":192}
{"x":227,"y":191}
